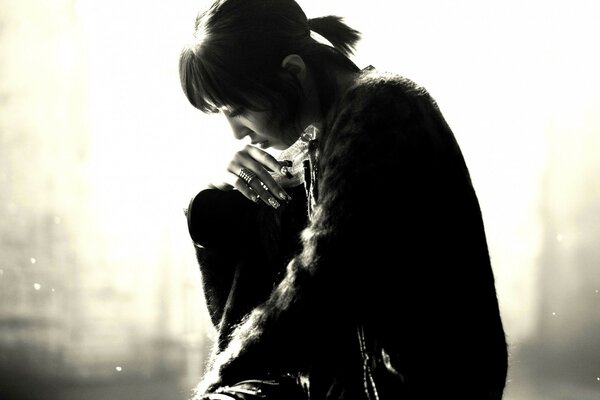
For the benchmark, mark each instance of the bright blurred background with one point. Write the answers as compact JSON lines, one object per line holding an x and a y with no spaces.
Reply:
{"x":100,"y":295}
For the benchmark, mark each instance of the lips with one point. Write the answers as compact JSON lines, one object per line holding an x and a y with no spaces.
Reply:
{"x":263,"y":144}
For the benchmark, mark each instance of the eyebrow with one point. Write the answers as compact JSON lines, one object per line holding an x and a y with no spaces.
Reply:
{"x":233,"y":113}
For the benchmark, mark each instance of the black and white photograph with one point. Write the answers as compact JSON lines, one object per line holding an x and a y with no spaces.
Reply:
{"x":299,"y":200}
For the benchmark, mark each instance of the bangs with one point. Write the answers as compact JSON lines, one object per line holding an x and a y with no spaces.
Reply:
{"x":208,"y":93}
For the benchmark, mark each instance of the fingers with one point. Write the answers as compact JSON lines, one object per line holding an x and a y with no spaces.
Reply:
{"x":258,"y":190}
{"x":264,"y":158}
{"x":256,"y":183}
{"x":253,"y":187}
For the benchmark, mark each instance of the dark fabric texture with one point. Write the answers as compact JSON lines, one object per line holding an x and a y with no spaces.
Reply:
{"x":396,"y":243}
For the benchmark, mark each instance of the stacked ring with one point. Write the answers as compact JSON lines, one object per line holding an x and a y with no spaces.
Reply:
{"x":246,"y":175}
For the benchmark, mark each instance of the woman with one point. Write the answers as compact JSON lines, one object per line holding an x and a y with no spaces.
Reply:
{"x":356,"y":259}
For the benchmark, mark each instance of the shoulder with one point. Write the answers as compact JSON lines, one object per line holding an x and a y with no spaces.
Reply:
{"x":376,"y":81}
{"x":381,"y":99}
{"x":374,"y":88}
{"x":382,"y":103}
{"x":387,"y":114}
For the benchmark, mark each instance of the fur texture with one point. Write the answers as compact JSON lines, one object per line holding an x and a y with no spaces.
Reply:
{"x":396,"y":243}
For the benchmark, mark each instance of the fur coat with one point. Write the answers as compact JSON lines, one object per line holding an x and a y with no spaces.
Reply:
{"x":396,"y":244}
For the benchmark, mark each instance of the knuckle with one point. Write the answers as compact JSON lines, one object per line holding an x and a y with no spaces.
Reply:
{"x":237,"y":157}
{"x":231,"y":166}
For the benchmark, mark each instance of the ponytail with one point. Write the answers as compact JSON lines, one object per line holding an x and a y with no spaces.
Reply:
{"x":235,"y":57}
{"x":340,"y":35}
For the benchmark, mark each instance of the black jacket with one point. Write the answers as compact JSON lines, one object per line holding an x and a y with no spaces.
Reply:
{"x":396,"y":244}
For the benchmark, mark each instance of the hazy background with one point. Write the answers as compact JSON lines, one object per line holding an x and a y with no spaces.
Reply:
{"x":100,"y":152}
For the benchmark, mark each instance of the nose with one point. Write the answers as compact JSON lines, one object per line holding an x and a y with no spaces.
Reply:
{"x":239,"y":130}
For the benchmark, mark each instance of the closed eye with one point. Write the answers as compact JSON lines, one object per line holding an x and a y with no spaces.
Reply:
{"x":236,"y":112}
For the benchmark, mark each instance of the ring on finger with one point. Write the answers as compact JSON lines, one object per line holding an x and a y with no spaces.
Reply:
{"x":263,"y":185}
{"x":247,"y":176}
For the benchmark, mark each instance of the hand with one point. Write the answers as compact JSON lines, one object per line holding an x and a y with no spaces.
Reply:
{"x":261,"y":185}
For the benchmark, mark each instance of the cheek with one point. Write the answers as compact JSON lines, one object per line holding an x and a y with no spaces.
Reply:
{"x":268,"y":129}
{"x":259,"y":124}
{"x":272,"y":130}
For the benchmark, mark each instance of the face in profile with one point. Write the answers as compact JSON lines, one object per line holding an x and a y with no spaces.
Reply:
{"x":260,"y":128}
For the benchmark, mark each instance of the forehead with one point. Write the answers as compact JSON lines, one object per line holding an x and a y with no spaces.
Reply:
{"x":245,"y":113}
{"x":247,"y":109}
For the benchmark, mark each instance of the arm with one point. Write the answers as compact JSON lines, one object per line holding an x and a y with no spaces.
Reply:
{"x":212,"y":216}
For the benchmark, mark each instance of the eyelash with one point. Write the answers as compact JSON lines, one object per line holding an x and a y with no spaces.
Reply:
{"x":236,"y":113}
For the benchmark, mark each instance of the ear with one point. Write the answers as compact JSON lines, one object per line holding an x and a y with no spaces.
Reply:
{"x":295,"y":64}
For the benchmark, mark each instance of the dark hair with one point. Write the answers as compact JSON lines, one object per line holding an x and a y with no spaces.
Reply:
{"x":235,"y":57}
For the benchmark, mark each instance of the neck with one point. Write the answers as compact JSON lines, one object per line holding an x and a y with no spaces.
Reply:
{"x":315,"y":114}
{"x":345,"y":79}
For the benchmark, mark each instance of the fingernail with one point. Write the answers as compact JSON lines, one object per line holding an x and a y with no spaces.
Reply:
{"x":285,"y":196}
{"x":285,"y":171}
{"x":274,"y":203}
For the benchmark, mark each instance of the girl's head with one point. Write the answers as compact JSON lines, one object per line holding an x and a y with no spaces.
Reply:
{"x":239,"y":60}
